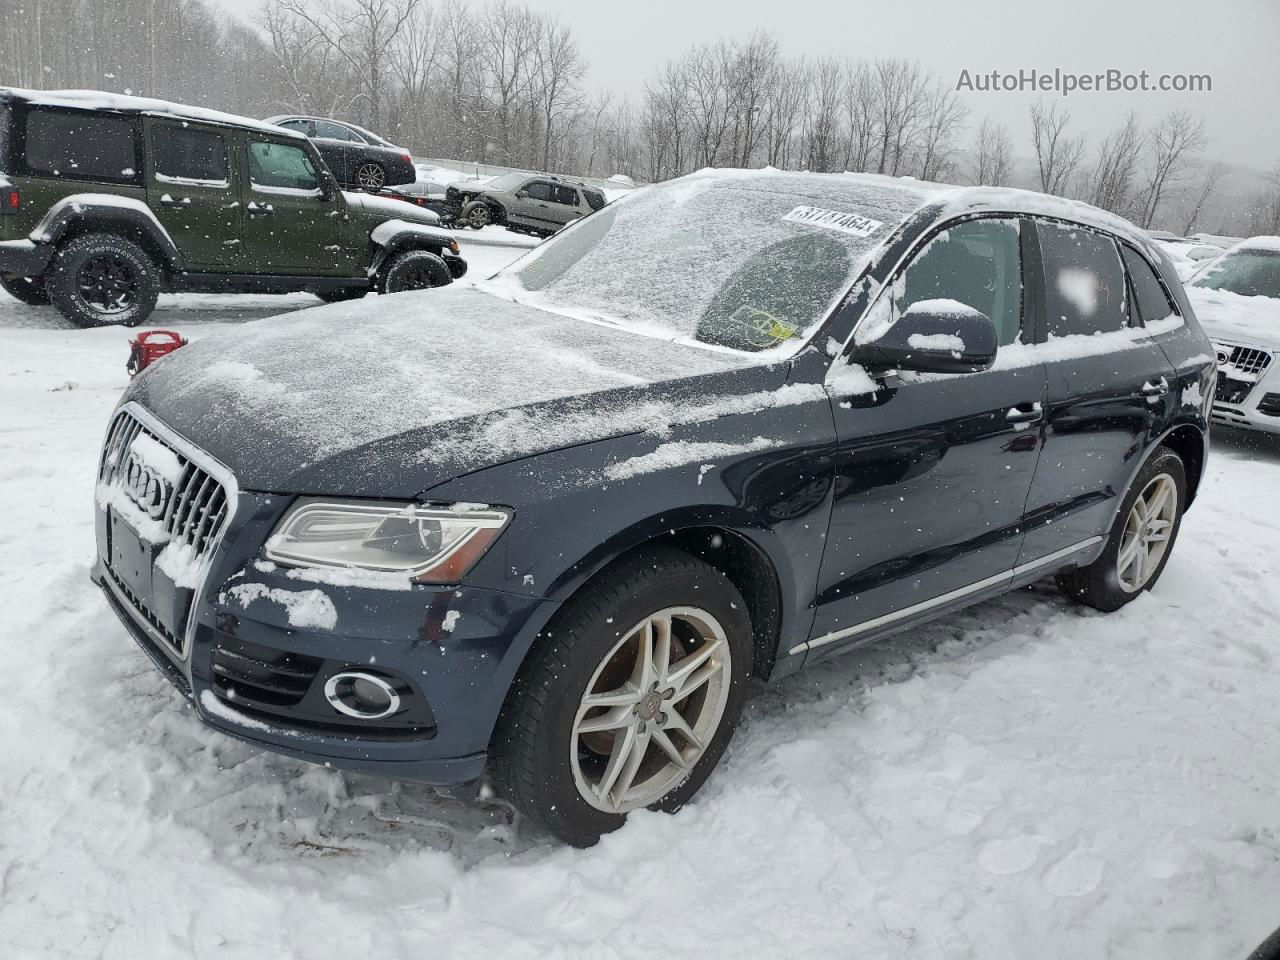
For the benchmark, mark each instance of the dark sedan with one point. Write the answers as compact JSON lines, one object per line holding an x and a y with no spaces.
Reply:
{"x":357,"y":157}
{"x":725,"y":427}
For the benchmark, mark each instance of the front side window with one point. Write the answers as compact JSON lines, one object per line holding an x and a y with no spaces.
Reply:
{"x":1247,"y":272}
{"x":1085,"y":291}
{"x":302,"y":126}
{"x":281,"y":166}
{"x":1152,"y":302}
{"x":81,"y":146}
{"x":539,"y":191}
{"x":976,"y":263}
{"x":184,"y":153}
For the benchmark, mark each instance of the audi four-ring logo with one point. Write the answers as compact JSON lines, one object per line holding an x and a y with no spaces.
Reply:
{"x":145,"y":487}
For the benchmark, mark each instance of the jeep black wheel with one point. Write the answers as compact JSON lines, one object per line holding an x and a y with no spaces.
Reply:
{"x":416,"y":270}
{"x":100,"y":279}
{"x":29,"y":290}
{"x":371,"y":177}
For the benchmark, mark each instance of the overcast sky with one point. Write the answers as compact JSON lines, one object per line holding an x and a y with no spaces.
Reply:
{"x":1240,"y":50}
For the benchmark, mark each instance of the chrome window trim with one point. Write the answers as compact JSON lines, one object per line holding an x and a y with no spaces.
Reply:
{"x":213,"y":468}
{"x":1007,"y":577}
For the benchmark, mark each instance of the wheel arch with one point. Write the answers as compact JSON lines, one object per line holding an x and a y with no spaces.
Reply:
{"x":1189,"y":442}
{"x":389,"y":244}
{"x":75,"y":216}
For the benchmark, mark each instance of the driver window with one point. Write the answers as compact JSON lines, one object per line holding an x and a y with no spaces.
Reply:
{"x":537,"y":190}
{"x":281,"y":165}
{"x":976,"y":263}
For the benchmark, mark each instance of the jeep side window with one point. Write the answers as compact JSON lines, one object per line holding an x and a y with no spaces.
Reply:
{"x":1152,"y":301}
{"x":281,"y":166}
{"x":189,"y":154}
{"x":977,"y":263}
{"x":81,"y":146}
{"x":1085,"y":291}
{"x":539,"y":190}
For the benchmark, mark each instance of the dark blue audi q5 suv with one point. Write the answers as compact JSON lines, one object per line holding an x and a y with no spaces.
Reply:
{"x":547,"y":527}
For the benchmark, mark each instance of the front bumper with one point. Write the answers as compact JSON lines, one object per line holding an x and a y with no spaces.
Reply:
{"x":24,"y":258}
{"x":457,"y":676}
{"x":1247,"y":400}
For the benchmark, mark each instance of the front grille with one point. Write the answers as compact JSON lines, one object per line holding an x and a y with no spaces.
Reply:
{"x":246,"y":672}
{"x":1246,"y":363}
{"x":198,"y":506}
{"x":1270,"y":405}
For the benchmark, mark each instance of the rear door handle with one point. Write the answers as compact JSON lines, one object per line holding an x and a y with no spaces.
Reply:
{"x":260,"y":210}
{"x":168,"y":201}
{"x":1025,"y":413}
{"x":1155,"y":388}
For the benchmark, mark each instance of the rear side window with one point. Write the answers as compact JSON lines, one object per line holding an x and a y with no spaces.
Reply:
{"x":1153,"y":303}
{"x":595,"y":199}
{"x":1085,"y":291}
{"x":183,"y":153}
{"x":81,"y":146}
{"x":977,"y":263}
{"x":332,"y":131}
{"x":281,"y":166}
{"x":566,"y":195}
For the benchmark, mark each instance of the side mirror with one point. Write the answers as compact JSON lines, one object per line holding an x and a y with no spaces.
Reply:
{"x":328,"y":185}
{"x":933,"y":336}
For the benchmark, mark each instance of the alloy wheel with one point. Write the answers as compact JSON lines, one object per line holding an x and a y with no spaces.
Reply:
{"x":1146,"y":534}
{"x":650,"y":709}
{"x":370,"y":176}
{"x":108,"y":284}
{"x":479,"y":216}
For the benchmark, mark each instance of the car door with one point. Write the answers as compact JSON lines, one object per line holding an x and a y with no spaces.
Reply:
{"x":536,"y":200}
{"x":194,"y":192}
{"x":1108,"y":389}
{"x":340,"y":149}
{"x":289,"y":224}
{"x":933,"y":470}
{"x":565,"y":206}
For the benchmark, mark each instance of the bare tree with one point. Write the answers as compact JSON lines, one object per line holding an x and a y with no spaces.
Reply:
{"x":1210,"y":177}
{"x":822,"y":136}
{"x":1175,"y":143}
{"x":993,"y":153}
{"x":899,"y":98}
{"x":942,"y":117}
{"x":1057,"y":155}
{"x":1110,"y":182}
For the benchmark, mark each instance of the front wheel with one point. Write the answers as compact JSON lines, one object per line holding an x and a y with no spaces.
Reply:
{"x":629,"y":699}
{"x":1141,"y":540}
{"x":477,"y":215}
{"x":28,"y":290}
{"x":100,"y":279}
{"x":416,"y":270}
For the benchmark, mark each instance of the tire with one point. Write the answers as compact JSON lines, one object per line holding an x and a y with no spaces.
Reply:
{"x":415,"y":270}
{"x":477,"y":215}
{"x":341,"y":295}
{"x":1106,"y":585}
{"x":101,"y":279}
{"x":371,"y":177}
{"x":541,"y":760}
{"x":28,"y":290}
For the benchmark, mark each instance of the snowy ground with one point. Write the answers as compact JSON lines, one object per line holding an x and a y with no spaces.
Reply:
{"x":1026,"y":779}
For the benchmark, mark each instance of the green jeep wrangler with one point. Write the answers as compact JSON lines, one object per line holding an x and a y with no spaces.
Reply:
{"x":106,"y":201}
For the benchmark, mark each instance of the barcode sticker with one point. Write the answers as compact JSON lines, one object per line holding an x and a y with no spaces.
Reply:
{"x":850,"y":223}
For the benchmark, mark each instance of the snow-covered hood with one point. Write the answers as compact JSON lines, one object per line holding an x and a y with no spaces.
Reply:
{"x":393,"y":395}
{"x":1253,"y":321}
{"x":386,"y":208}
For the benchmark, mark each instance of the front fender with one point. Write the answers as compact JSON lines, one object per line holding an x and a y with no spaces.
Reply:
{"x":393,"y":236}
{"x":108,"y":212}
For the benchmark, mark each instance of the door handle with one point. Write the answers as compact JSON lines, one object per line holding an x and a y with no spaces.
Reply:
{"x":1025,"y":413}
{"x":168,"y":201}
{"x":1155,"y":388}
{"x":260,"y":210}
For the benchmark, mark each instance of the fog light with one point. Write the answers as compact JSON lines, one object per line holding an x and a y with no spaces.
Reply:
{"x":365,"y":696}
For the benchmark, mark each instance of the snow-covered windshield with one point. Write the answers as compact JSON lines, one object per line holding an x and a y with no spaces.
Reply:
{"x":1249,"y":272}
{"x":507,"y":183}
{"x":749,"y":262}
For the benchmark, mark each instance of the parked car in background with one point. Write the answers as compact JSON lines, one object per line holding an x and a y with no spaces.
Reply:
{"x":734,"y":425}
{"x":106,"y":201}
{"x":357,"y":157}
{"x":1237,"y":298}
{"x":539,"y":204}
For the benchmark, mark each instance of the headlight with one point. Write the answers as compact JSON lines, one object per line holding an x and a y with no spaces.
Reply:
{"x":427,"y":544}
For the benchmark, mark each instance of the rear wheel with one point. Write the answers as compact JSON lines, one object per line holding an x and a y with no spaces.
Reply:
{"x":101,"y":279}
{"x":30,"y":290}
{"x":1140,"y":542}
{"x":371,"y":177}
{"x":630,"y":698}
{"x":416,"y":270}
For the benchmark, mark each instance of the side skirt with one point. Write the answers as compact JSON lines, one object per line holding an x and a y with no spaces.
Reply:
{"x":258,"y":283}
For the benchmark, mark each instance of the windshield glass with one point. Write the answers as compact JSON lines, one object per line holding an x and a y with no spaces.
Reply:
{"x":507,"y":183}
{"x":745,"y":262}
{"x":1249,"y":273}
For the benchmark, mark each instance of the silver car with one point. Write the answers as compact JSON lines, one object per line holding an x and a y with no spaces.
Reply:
{"x":525,"y":203}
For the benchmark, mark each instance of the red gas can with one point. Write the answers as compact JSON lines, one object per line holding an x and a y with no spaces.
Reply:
{"x":150,"y":346}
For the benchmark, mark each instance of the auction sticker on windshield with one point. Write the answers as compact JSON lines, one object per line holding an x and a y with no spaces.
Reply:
{"x":834,"y":220}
